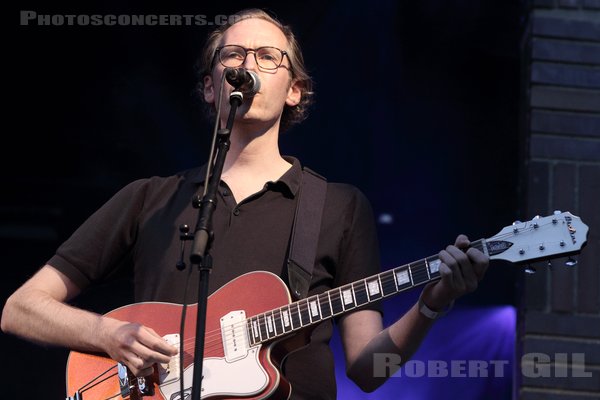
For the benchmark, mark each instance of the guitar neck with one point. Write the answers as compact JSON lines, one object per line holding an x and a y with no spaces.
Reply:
{"x":294,"y":316}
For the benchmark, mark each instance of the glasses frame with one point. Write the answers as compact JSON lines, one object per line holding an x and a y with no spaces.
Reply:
{"x":254,"y":51}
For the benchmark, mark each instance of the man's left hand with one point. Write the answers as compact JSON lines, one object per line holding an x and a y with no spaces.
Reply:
{"x":461,"y":270}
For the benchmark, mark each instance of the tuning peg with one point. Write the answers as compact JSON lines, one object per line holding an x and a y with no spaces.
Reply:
{"x":529,"y":269}
{"x":554,"y":220}
{"x":571,"y":262}
{"x":515,"y":229}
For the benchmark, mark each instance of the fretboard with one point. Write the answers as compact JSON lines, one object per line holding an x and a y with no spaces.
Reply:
{"x":294,"y":316}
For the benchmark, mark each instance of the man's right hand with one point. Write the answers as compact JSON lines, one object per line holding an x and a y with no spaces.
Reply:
{"x":135,"y":345}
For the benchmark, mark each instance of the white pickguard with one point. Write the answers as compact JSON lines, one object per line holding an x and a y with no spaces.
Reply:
{"x":218,"y":378}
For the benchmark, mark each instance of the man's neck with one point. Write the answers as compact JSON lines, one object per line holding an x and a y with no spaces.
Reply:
{"x":253,"y":159}
{"x":253,"y":151}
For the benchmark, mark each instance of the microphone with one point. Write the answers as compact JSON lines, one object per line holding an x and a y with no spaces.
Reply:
{"x":243,"y":80}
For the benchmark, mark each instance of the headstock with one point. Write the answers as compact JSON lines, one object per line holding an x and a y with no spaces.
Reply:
{"x":543,"y":238}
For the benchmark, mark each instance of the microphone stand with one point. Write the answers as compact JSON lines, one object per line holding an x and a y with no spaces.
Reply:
{"x":203,"y":237}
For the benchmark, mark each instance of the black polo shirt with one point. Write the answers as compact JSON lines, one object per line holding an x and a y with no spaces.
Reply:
{"x":137,"y":232}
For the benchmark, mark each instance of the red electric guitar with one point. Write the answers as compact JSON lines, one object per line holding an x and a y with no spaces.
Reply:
{"x":251,"y":323}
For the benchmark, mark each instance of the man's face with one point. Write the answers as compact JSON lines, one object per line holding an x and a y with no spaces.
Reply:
{"x":277,"y":87}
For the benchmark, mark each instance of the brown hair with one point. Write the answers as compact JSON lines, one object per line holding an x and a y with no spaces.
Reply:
{"x":290,"y":115}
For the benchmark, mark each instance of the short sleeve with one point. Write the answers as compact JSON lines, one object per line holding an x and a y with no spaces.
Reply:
{"x":103,"y":243}
{"x":359,"y":248}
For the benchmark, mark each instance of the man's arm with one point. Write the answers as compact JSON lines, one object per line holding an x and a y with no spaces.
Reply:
{"x":363,"y":334}
{"x":37,"y":311}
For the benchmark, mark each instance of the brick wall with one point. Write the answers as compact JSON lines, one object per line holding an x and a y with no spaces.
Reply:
{"x":559,"y":313}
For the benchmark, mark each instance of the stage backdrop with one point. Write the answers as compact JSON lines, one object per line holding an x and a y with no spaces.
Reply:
{"x":416,"y":104}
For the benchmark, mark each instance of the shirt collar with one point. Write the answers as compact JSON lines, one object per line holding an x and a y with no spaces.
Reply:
{"x":291,"y":179}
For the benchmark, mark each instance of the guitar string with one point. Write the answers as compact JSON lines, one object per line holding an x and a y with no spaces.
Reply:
{"x":216,"y":338}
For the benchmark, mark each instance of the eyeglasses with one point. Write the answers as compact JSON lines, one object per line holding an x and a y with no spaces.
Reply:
{"x":234,"y":56}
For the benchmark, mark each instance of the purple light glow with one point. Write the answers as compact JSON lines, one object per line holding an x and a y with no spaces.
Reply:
{"x":455,"y":357}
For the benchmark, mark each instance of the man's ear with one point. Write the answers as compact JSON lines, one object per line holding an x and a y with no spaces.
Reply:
{"x":294,"y":94}
{"x":209,"y":90}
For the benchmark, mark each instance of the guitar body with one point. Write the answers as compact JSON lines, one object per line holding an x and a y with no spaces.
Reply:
{"x":254,"y":376}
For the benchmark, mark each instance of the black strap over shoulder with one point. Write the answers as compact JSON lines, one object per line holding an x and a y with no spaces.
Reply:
{"x":305,"y":232}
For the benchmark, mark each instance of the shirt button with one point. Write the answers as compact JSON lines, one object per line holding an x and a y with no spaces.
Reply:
{"x":236,"y":211}
{"x":225,"y":192}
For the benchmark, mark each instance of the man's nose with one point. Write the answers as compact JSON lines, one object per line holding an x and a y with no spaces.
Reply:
{"x":250,"y":61}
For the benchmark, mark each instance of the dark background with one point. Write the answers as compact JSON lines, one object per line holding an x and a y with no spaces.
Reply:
{"x":417,"y":104}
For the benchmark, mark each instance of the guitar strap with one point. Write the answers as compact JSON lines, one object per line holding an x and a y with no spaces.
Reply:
{"x":305,"y":232}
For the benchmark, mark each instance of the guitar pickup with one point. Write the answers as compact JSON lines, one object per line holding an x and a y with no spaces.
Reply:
{"x":234,"y":335}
